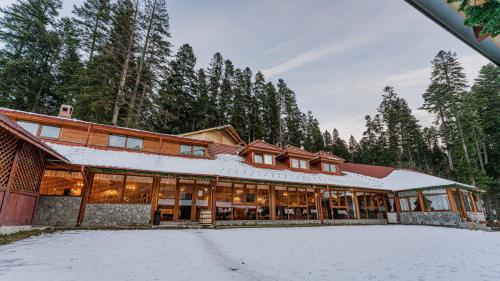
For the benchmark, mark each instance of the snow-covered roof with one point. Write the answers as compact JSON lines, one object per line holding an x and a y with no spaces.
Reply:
{"x":233,"y":166}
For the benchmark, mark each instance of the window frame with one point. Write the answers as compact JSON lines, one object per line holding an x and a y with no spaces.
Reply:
{"x":123,"y":184}
{"x":263,"y":156}
{"x":125,"y":145}
{"x":39,"y":128}
{"x":192,"y":149}
{"x":437,"y":192}
{"x":329,"y":169}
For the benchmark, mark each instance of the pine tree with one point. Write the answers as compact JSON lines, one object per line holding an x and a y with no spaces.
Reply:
{"x":92,"y":23}
{"x":257,"y":108}
{"x":226,"y":94}
{"x":178,"y":92}
{"x":69,"y":67}
{"x":201,"y":102}
{"x":339,"y":146}
{"x":237,"y":108}
{"x":313,"y":138}
{"x":291,"y":115}
{"x":271,"y":114}
{"x":328,"y":141}
{"x":486,"y":99}
{"x":443,"y":98}
{"x":153,"y":55}
{"x":122,"y":47}
{"x":354,"y":150}
{"x":29,"y":53}
{"x":215,"y":77}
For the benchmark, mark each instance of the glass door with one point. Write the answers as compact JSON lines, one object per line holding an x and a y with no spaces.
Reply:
{"x":166,"y":199}
{"x":202,"y":199}
{"x":185,"y":202}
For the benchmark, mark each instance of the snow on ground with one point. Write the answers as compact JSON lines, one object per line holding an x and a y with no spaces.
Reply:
{"x":312,"y":253}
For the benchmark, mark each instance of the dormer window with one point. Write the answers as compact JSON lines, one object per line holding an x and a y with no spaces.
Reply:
{"x":263,"y":158}
{"x":299,"y":163}
{"x":46,"y":131}
{"x":329,"y":168}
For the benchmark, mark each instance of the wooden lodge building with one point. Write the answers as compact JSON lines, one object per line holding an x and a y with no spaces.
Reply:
{"x":88,"y":174}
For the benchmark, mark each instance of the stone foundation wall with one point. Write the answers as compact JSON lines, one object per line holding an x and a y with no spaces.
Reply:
{"x":298,"y":222}
{"x":57,"y":211}
{"x":476,"y":217}
{"x":431,"y":218}
{"x":116,"y":214}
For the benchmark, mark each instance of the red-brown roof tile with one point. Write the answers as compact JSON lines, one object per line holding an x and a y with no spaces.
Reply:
{"x":218,"y":148}
{"x":262,"y":145}
{"x":367,"y":170}
{"x":296,"y":151}
{"x":327,"y":155}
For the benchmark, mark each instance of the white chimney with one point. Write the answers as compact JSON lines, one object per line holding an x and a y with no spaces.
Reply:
{"x":65,"y":111}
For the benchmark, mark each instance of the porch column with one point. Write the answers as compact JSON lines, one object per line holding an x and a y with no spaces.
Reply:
{"x":273,"y":203}
{"x":319,"y":197}
{"x":154,"y":196}
{"x":421,"y":201}
{"x":451,"y":199}
{"x":88,"y":179}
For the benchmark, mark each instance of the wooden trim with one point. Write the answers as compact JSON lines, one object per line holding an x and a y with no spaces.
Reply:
{"x":473,"y":203}
{"x":320,"y":203}
{"x":356,"y":205}
{"x":273,"y":203}
{"x":462,"y":207}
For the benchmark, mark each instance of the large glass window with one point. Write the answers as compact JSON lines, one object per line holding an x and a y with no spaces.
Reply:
{"x":50,"y":132}
{"x":295,"y":163}
{"x":263,"y":201}
{"x":61,"y":183}
{"x":138,"y":190}
{"x":112,"y":188}
{"x":467,"y":202}
{"x":107,"y":188}
{"x":478,"y":202}
{"x":436,"y":200}
{"x":408,"y":201}
{"x":31,"y":127}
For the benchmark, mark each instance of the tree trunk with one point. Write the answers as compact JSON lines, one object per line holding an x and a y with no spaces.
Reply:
{"x":448,"y":152}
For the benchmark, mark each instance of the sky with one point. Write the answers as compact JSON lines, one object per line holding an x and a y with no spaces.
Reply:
{"x":336,"y":55}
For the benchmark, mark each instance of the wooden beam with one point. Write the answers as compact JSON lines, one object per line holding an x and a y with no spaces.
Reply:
{"x":451,"y":199}
{"x":356,"y":205}
{"x":421,"y":201}
{"x":214,"y":199}
{"x":176,"y":200}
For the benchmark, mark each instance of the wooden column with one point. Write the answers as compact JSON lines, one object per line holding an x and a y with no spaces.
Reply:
{"x":154,"y":196}
{"x":176,"y":200}
{"x":421,"y":201}
{"x":320,"y":204}
{"x":88,"y":179}
{"x":213,"y":198}
{"x":273,"y":203}
{"x":473,"y":202}
{"x":451,"y":199}
{"x":397,"y":207}
{"x":462,"y":208}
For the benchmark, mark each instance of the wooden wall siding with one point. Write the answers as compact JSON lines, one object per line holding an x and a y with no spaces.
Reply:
{"x":170,"y":148}
{"x":8,"y":145}
{"x":98,"y":138}
{"x":29,"y":170}
{"x":152,"y":145}
{"x":75,"y":135}
{"x":19,"y":209}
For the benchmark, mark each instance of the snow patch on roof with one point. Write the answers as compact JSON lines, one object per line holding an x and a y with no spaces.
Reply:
{"x":233,"y":166}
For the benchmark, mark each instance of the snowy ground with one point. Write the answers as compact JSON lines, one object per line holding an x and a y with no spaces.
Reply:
{"x":313,"y":253}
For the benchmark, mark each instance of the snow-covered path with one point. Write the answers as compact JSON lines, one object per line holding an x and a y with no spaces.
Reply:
{"x":314,"y":253}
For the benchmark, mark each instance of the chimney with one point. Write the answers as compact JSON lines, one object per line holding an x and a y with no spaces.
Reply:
{"x":65,"y":111}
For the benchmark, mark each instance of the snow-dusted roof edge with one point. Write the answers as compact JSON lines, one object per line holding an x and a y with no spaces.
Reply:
{"x":234,"y":167}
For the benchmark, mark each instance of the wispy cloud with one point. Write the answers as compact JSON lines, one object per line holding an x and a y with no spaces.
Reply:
{"x":318,"y":53}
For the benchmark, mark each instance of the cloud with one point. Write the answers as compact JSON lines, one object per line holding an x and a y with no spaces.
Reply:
{"x":318,"y":53}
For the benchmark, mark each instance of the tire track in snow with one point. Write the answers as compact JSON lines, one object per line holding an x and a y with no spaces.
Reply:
{"x":229,"y":263}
